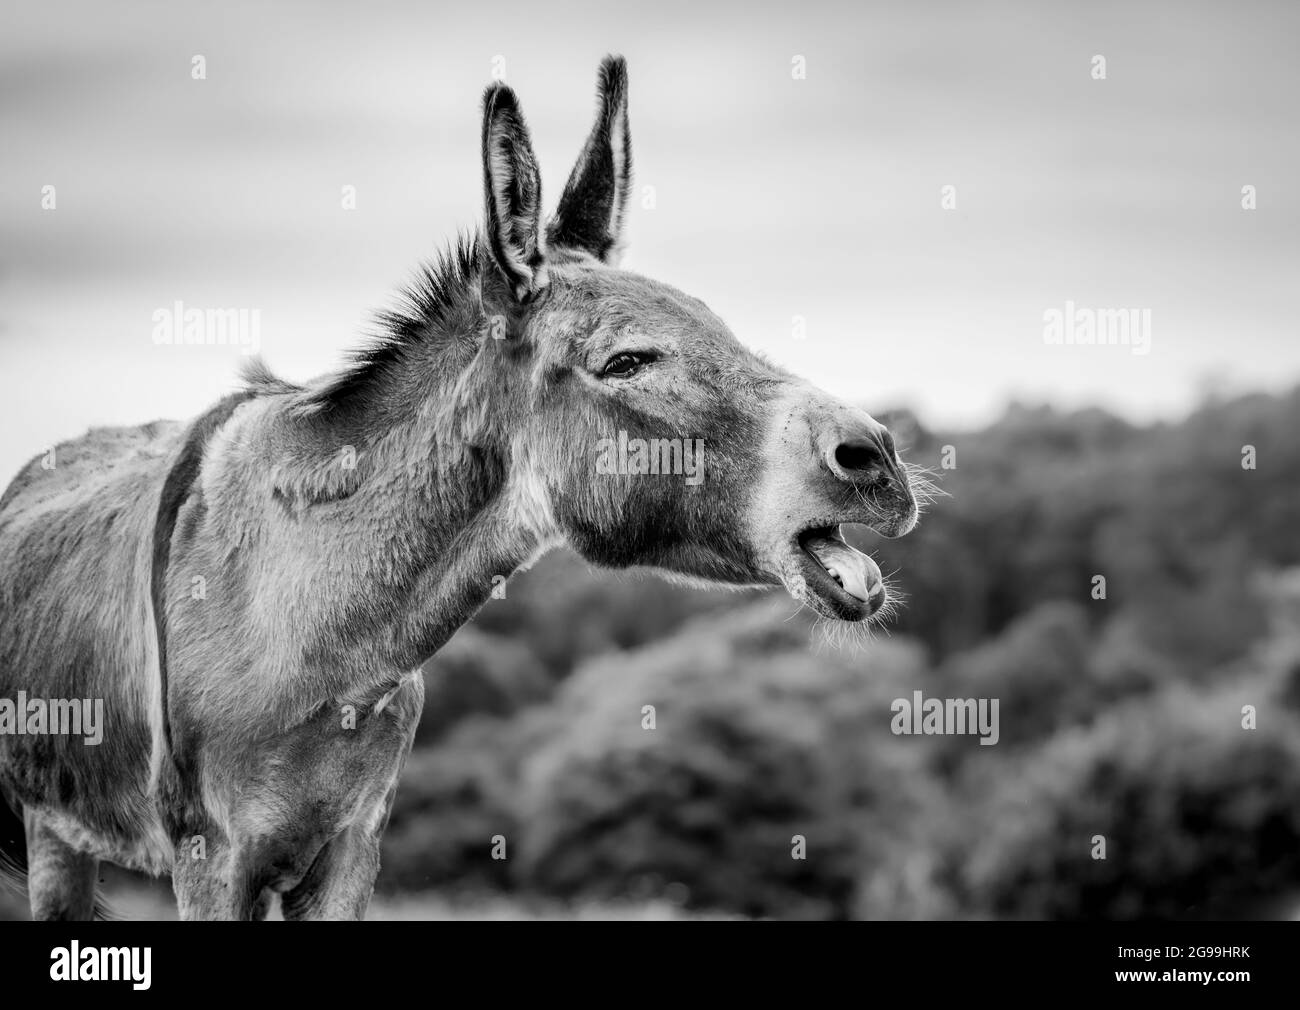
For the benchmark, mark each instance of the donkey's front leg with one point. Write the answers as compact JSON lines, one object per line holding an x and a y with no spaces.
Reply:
{"x":342,"y":877}
{"x":217,"y":885}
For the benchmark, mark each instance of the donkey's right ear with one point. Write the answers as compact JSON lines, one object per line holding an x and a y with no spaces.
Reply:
{"x":512,"y":188}
{"x":590,"y":215}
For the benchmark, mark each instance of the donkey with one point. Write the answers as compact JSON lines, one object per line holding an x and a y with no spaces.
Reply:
{"x":251,"y":594}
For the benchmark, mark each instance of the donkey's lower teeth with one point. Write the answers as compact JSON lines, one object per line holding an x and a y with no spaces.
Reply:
{"x":855,"y":573}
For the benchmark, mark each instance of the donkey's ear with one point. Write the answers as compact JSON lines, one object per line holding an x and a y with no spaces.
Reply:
{"x":590,"y":215}
{"x":513,"y":195}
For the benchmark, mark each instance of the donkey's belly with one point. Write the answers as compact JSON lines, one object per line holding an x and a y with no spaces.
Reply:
{"x":84,"y":760}
{"x":92,"y":787}
{"x":148,"y":850}
{"x":76,"y":641}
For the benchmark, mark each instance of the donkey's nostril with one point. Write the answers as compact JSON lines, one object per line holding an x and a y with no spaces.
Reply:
{"x":859,"y":456}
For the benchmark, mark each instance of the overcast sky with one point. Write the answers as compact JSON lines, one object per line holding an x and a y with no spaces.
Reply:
{"x":774,"y":197}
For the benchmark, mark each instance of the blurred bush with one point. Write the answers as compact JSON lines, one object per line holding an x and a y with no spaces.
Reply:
{"x":1037,"y":669}
{"x":565,"y":611}
{"x":1200,"y":817}
{"x":477,"y":673}
{"x":454,"y":798}
{"x":755,"y":741}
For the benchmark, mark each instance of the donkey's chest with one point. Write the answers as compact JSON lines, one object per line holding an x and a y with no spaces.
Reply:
{"x":314,"y":778}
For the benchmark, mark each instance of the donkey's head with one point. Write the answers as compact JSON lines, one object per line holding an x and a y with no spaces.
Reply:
{"x":641,"y":431}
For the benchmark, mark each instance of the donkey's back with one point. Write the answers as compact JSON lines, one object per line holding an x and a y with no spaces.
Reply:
{"x":76,"y":629}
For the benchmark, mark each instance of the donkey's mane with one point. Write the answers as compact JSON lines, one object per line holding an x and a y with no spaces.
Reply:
{"x":425,"y":309}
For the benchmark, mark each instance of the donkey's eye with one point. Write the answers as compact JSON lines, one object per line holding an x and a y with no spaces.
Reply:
{"x":626,"y":364}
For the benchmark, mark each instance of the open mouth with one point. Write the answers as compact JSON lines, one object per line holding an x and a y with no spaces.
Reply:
{"x":843,"y":579}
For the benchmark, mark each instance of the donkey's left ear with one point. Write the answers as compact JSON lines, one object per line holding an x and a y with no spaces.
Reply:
{"x":590,"y":215}
{"x":512,"y":190}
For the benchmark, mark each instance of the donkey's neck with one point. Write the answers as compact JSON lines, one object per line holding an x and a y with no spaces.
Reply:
{"x":406,"y":521}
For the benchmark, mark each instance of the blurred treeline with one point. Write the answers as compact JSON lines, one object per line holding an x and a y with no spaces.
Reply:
{"x":1121,"y":718}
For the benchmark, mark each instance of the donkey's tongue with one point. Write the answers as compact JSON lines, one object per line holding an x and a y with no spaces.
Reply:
{"x":856,"y":572}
